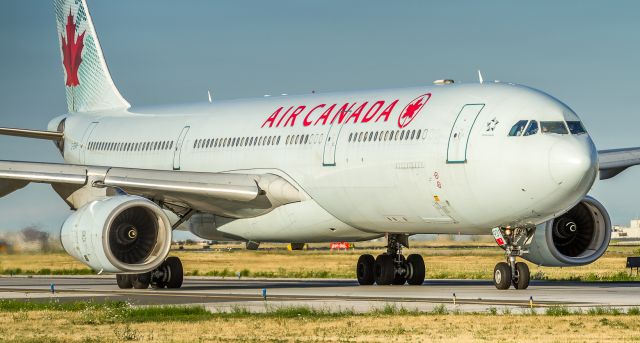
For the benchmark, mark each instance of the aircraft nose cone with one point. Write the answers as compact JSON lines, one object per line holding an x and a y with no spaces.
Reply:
{"x":571,"y":162}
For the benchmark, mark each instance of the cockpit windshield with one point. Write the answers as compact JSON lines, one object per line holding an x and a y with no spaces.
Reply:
{"x":557,"y":127}
{"x":518,"y":128}
{"x":532,"y":129}
{"x":576,"y":127}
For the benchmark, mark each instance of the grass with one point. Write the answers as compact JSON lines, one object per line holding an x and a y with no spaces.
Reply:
{"x":443,"y":262}
{"x":29,"y":321}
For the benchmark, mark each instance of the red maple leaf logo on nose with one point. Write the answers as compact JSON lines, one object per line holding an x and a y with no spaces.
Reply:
{"x":71,"y":52}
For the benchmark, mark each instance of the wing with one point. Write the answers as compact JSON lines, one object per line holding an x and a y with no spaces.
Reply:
{"x":230,"y":195}
{"x":613,"y":162}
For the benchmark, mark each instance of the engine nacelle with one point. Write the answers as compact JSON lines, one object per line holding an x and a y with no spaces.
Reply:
{"x":578,"y":237}
{"x":119,"y":234}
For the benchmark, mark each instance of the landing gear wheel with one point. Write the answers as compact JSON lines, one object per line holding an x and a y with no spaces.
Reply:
{"x":364,"y":270}
{"x":502,"y":276}
{"x":176,"y":273}
{"x":141,"y":281}
{"x":169,"y":274}
{"x":158,"y":283}
{"x":521,"y":279}
{"x":124,"y":281}
{"x":399,"y":279}
{"x":416,"y":269}
{"x":384,"y":271}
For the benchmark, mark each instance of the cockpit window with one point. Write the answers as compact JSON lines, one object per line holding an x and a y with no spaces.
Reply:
{"x":576,"y":128}
{"x":554,"y":127}
{"x":532,"y":129}
{"x":518,"y":128}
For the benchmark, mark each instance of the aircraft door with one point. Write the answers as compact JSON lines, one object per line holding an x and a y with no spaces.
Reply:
{"x":330,"y":145}
{"x":459,"y":136}
{"x":178,"y":148}
{"x":84,"y":144}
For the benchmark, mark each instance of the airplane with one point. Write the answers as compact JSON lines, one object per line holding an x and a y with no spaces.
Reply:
{"x":487,"y":158}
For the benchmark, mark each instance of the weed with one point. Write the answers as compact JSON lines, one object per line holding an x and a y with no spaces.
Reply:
{"x":557,"y":311}
{"x":600,"y":311}
{"x":126,"y":333}
{"x":440,"y":309}
{"x":634,"y":311}
{"x":613,"y":323}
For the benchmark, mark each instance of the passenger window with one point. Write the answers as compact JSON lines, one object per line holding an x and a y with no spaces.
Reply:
{"x":532,"y":129}
{"x":557,"y":127}
{"x":518,"y":128}
{"x":576,"y":128}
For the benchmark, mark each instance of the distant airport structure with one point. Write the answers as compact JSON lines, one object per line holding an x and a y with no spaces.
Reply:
{"x":632,"y":232}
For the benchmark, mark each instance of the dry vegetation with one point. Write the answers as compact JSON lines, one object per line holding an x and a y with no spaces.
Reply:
{"x":442,"y":262}
{"x":85,"y":326}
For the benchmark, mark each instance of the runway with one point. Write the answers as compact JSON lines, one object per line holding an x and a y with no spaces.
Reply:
{"x":219,"y":294}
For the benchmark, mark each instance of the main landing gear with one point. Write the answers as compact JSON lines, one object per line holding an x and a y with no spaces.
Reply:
{"x":169,"y":274}
{"x":511,"y":272}
{"x":391,"y":268}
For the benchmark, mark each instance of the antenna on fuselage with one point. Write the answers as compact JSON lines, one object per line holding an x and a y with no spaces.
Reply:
{"x":209,"y":94}
{"x":480,"y":77}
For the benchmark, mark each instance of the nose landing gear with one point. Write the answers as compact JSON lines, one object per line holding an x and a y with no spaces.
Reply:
{"x":391,"y":268}
{"x":511,"y":272}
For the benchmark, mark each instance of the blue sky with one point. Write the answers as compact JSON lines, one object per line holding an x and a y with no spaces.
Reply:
{"x":583,"y":52}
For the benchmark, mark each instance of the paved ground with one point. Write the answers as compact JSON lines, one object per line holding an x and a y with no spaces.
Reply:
{"x":223,"y":294}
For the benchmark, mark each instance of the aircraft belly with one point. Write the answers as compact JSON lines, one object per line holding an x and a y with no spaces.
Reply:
{"x":304,"y":221}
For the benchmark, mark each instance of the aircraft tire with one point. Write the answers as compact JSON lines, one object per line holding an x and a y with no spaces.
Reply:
{"x":176,"y":272}
{"x":364,"y":270}
{"x":415,"y":263}
{"x":124,"y":281}
{"x":502,"y":276}
{"x":141,"y":281}
{"x":522,"y":277}
{"x":384,"y":270}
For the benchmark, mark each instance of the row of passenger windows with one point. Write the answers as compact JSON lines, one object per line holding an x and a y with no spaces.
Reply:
{"x":131,"y":146}
{"x":559,"y":127}
{"x":393,"y":135}
{"x":204,"y":143}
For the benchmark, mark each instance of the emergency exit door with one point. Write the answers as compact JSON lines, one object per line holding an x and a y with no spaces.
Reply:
{"x":460,"y":133}
{"x":178,"y":148}
{"x":330,"y":145}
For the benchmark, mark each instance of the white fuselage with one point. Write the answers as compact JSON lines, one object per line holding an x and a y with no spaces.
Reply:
{"x":459,"y":171}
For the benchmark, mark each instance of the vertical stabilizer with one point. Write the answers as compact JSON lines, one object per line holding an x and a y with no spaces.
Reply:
{"x":89,"y":86}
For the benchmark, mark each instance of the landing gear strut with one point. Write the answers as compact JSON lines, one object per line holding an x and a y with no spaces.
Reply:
{"x":169,"y":274}
{"x":511,"y":272}
{"x":391,"y":268}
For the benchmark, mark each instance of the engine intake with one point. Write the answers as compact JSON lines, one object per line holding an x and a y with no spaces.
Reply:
{"x":578,"y":237}
{"x":118,"y":234}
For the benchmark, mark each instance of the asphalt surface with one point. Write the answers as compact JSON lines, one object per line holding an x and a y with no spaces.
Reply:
{"x":223,"y":294}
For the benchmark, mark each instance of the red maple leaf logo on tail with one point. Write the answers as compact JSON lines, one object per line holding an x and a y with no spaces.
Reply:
{"x":71,"y":52}
{"x":412,"y":110}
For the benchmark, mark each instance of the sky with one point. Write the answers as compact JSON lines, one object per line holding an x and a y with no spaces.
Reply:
{"x":582,"y":52}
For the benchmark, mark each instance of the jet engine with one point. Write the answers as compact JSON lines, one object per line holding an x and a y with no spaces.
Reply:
{"x":118,"y":234}
{"x":578,"y":237}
